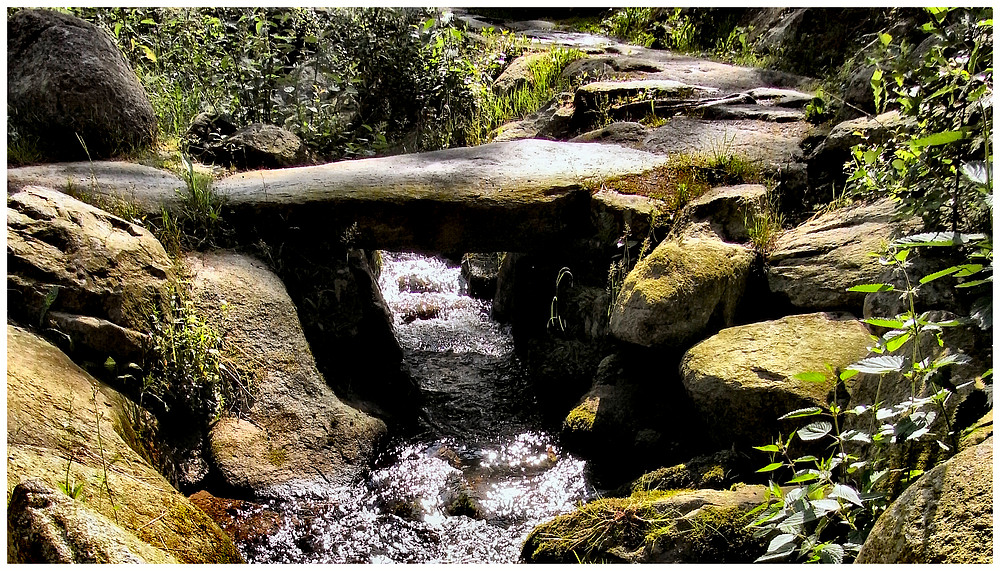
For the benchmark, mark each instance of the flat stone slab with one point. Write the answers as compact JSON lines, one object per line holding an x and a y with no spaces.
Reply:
{"x":512,"y":196}
{"x":148,"y":187}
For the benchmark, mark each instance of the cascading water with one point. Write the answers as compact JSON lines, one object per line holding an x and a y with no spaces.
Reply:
{"x":478,"y":475}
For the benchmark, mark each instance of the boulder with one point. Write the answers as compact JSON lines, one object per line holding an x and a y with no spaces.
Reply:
{"x":66,"y":429}
{"x":296,"y":432}
{"x":946,"y":516}
{"x":602,"y":67}
{"x":680,"y":292}
{"x":107,"y":184}
{"x":47,"y":526}
{"x":742,"y":379}
{"x":66,"y":256}
{"x":619,"y":132}
{"x":613,"y":213}
{"x":676,"y":526}
{"x":718,"y":471}
{"x":726,"y":209}
{"x":67,"y":82}
{"x":258,"y":146}
{"x":813,"y":265}
{"x":519,"y":74}
{"x":206,"y":132}
{"x":523,"y":196}
{"x":553,"y":121}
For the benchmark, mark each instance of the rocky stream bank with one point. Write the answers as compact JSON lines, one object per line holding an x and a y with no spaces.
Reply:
{"x":621,"y":407}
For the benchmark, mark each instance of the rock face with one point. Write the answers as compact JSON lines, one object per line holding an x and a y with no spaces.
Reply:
{"x":741,"y":378}
{"x":65,"y":427}
{"x":813,"y":265}
{"x":47,"y":526}
{"x":726,"y":209}
{"x":690,"y":526}
{"x":517,"y":196}
{"x":946,"y":516}
{"x":147,"y":188}
{"x":67,"y":79}
{"x":680,"y":292}
{"x":296,"y":430}
{"x":69,"y":257}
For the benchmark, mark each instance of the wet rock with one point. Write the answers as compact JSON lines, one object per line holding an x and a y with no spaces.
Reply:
{"x":67,"y":256}
{"x":680,"y":292}
{"x":742,"y":379}
{"x":295,"y":430}
{"x":65,"y":427}
{"x":813,"y":265}
{"x":480,"y":271}
{"x":47,"y":526}
{"x":946,"y":516}
{"x":246,"y":522}
{"x":421,"y":310}
{"x":67,"y":79}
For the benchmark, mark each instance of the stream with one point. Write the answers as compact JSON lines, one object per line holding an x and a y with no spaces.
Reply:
{"x":476,"y":476}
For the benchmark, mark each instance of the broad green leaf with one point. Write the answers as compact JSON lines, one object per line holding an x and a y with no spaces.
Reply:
{"x":846,"y":493}
{"x":890,"y":323}
{"x":806,"y":459}
{"x":953,"y":359}
{"x":780,"y":541}
{"x":879,"y":365}
{"x":942,"y":138}
{"x":815,"y":431}
{"x":976,"y":171}
{"x":811,"y":411}
{"x":847,"y":374}
{"x":974,"y":283}
{"x":966,"y":270}
{"x":807,"y":477}
{"x":885,"y":38}
{"x":149,"y":53}
{"x":940,"y":274}
{"x":897,"y":341}
{"x":771,"y":467}
{"x":812,"y":377}
{"x":872,"y":288}
{"x":768,"y":448}
{"x":825,"y":506}
{"x":781,"y":553}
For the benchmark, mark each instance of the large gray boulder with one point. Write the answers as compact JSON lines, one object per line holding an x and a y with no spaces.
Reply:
{"x":296,"y":432}
{"x":813,"y":265}
{"x":741,"y":380}
{"x":67,"y":429}
{"x":68,"y":257}
{"x":259,"y":146}
{"x":946,"y":516}
{"x":680,"y":292}
{"x":67,"y":79}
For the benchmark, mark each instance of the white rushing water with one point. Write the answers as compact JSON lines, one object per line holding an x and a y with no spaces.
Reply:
{"x":480,"y":444}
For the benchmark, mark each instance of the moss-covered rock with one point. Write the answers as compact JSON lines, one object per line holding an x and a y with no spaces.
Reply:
{"x":675,"y":526}
{"x":742,"y":379}
{"x":716,"y":471}
{"x":946,"y":516}
{"x":66,"y":428}
{"x":680,"y":292}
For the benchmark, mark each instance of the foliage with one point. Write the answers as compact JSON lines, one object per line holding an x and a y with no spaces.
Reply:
{"x":188,"y":378}
{"x":939,"y":171}
{"x":631,"y":25}
{"x":556,"y":320}
{"x":935,"y":169}
{"x":764,"y":224}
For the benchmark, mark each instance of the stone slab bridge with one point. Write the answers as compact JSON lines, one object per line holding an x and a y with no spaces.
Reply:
{"x":523,"y":196}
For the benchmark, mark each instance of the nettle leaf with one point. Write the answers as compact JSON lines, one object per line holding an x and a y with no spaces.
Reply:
{"x":811,"y":411}
{"x":953,"y":359}
{"x":940,"y":274}
{"x":815,"y":431}
{"x":768,"y":448}
{"x":897,"y":341}
{"x":771,"y":467}
{"x":780,"y":553}
{"x":872,"y":288}
{"x":976,"y":171}
{"x":812,"y":377}
{"x":890,"y":323}
{"x":832,"y":553}
{"x":942,"y":138}
{"x":846,"y":493}
{"x":879,"y":365}
{"x":780,"y":541}
{"x":825,"y":506}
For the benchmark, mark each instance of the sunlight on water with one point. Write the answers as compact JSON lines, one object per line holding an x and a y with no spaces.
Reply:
{"x":479,"y":475}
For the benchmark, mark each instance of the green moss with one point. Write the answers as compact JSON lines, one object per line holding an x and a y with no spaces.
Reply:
{"x":714,"y":535}
{"x":277,"y":456}
{"x":581,"y":418}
